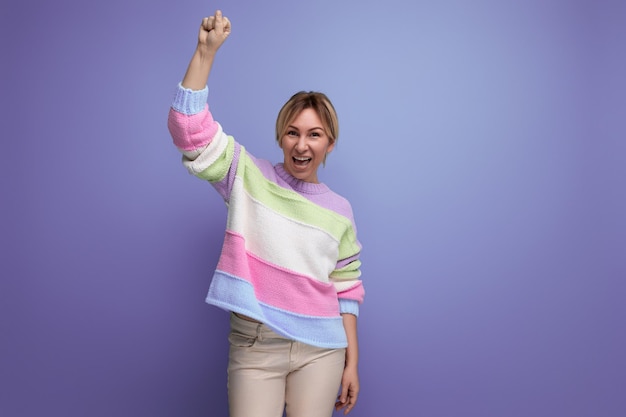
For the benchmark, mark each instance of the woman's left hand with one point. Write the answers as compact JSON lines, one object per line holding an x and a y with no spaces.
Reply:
{"x":349,"y":390}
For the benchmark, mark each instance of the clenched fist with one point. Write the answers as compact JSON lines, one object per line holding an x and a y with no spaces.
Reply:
{"x":213,"y":31}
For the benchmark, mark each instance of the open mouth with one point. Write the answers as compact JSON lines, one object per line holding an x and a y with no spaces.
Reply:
{"x":301,"y":162}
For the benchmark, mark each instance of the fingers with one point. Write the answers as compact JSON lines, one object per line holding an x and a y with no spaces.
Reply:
{"x":222,"y":24}
{"x":350,"y":405}
{"x":227,"y":26}
{"x":219,"y":21}
{"x":347,"y":399}
{"x":208,"y":23}
{"x":343,"y":397}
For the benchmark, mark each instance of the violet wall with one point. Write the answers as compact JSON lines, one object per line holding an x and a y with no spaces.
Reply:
{"x":482,"y":147}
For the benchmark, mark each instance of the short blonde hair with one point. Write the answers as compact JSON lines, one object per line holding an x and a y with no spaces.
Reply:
{"x":308,"y":100}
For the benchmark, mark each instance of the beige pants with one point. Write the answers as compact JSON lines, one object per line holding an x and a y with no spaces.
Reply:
{"x":268,"y":373}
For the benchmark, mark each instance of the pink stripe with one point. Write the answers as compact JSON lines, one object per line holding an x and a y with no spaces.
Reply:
{"x":277,"y":286}
{"x":234,"y":258}
{"x":356,"y":293}
{"x":192,"y":132}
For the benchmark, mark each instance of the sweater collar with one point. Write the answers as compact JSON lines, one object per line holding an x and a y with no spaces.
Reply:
{"x":299,"y":185}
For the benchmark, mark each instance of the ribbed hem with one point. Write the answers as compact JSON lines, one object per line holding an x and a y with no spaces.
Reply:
{"x":299,"y":185}
{"x":349,"y":306}
{"x":237,"y":295}
{"x":190,"y":102}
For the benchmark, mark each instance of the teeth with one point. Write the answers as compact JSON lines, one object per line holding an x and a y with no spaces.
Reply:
{"x":301,"y":159}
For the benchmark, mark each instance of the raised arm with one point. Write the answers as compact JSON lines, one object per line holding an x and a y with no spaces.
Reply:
{"x":213,"y":32}
{"x":189,"y":120}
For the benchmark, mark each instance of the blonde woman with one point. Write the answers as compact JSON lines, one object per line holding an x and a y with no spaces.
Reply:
{"x":289,"y":269}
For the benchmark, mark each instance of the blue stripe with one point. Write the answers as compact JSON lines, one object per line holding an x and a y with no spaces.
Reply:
{"x":235,"y":294}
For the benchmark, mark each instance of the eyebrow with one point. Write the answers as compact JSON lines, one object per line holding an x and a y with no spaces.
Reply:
{"x":314,"y":128}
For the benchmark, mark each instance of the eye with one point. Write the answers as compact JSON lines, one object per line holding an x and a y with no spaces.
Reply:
{"x":316,"y":134}
{"x":292,"y":133}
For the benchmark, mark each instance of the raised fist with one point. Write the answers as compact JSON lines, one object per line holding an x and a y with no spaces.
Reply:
{"x":214,"y":30}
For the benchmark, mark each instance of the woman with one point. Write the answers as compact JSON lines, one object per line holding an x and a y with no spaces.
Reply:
{"x":289,"y":268}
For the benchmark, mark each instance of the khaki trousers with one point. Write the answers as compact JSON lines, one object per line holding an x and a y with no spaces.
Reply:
{"x":268,"y":373}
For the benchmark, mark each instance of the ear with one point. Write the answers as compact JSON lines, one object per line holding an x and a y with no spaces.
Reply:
{"x":330,"y":147}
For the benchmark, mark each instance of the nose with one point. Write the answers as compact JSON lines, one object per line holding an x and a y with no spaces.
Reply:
{"x":301,"y":144}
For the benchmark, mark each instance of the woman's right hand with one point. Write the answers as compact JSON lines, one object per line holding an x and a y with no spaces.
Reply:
{"x":213,"y":31}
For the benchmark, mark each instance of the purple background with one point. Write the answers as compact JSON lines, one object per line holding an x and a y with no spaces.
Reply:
{"x":482,"y":146}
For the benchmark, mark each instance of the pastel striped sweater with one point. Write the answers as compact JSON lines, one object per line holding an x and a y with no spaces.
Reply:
{"x":290,"y":256}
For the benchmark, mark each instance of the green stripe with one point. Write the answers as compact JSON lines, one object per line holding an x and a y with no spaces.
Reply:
{"x":292,"y":205}
{"x":348,"y":272}
{"x":218,"y":170}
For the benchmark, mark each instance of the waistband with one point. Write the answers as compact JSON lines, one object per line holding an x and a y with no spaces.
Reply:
{"x":250,"y":328}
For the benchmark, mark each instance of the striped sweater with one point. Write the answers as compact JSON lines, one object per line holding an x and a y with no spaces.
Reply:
{"x":290,"y":256}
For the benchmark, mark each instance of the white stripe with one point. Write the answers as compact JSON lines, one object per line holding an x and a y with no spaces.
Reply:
{"x":197,"y":161}
{"x":299,"y":247}
{"x":345,"y":285}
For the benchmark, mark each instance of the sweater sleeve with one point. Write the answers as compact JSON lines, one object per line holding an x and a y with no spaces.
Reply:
{"x":349,"y":287}
{"x":208,"y":152}
{"x":347,"y":273}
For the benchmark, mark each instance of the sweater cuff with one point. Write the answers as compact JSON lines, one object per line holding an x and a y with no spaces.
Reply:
{"x":190,"y":102}
{"x":348,"y":306}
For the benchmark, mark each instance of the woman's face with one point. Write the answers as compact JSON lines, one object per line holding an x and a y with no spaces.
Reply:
{"x":305,"y":145}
